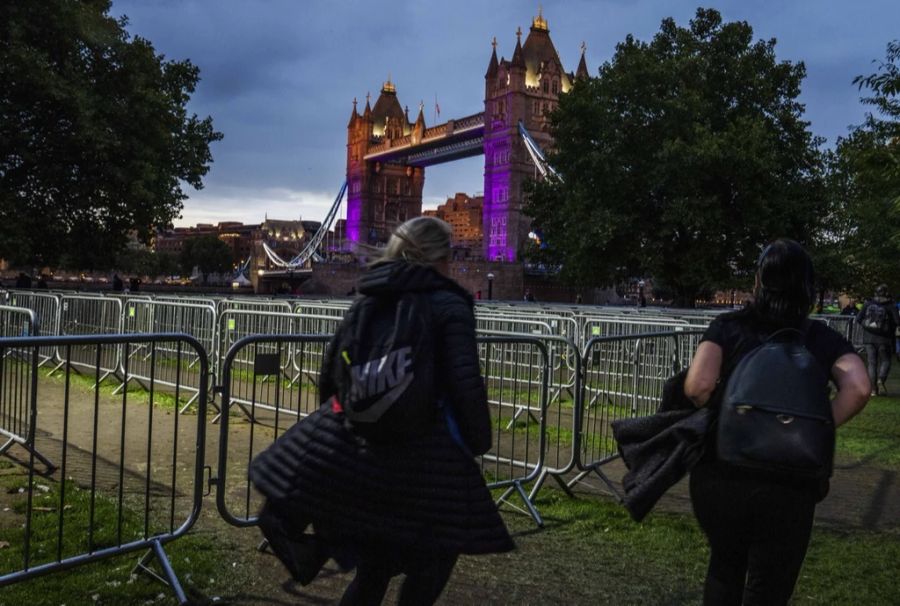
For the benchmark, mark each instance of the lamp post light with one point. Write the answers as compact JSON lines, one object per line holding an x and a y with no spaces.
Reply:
{"x":490,"y":278}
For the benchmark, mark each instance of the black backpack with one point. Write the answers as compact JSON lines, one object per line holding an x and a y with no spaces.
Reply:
{"x":775,"y":413}
{"x":876,"y":319}
{"x":385,"y":356}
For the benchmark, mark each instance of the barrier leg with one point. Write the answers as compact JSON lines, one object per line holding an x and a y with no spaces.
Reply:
{"x":31,"y":449}
{"x":519,"y":410}
{"x":168,"y":577}
{"x":530,"y":509}
{"x":596,"y":469}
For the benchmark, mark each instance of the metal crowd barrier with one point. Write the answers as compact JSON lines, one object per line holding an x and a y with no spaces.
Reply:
{"x":90,"y":316}
{"x":17,"y":322}
{"x":516,"y":373}
{"x":624,"y":377}
{"x":154,"y":316}
{"x":129,"y":478}
{"x":253,"y":378}
{"x":17,"y":412}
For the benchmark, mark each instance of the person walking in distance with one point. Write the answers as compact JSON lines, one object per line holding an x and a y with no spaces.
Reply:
{"x":879,"y":321}
{"x":385,"y":470}
{"x":758,"y":519}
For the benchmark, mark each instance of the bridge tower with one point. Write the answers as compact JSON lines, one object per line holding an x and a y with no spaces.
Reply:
{"x":524,"y":88}
{"x":380,"y":196}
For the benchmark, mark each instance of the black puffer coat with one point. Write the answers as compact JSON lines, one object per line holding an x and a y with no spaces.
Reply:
{"x":425,"y":494}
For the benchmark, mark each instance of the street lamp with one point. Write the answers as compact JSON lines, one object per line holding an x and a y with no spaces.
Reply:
{"x":490,"y":278}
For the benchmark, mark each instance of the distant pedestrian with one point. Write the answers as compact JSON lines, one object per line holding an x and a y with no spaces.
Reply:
{"x":879,"y":321}
{"x":42,"y":282}
{"x":849,"y":309}
{"x":529,"y":296}
{"x":23,"y":280}
{"x":117,"y":284}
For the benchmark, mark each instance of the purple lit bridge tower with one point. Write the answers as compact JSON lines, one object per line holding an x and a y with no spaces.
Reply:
{"x":387,"y":154}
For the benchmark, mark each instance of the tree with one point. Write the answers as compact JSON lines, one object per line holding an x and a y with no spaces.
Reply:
{"x":679,"y":161}
{"x":95,"y":138}
{"x":867,"y":167}
{"x":206,"y":253}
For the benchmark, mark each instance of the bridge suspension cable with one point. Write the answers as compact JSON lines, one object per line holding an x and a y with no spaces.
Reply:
{"x":537,"y":156}
{"x":313,"y":245}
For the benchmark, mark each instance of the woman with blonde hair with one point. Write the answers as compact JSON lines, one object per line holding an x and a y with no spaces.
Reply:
{"x":402,"y":494}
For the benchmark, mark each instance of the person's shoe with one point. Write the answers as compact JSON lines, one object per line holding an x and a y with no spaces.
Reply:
{"x":883,"y":387}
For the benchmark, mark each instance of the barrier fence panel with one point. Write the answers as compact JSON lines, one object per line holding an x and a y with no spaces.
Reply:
{"x":516,"y":372}
{"x":253,"y":378}
{"x":128,"y":472}
{"x":46,"y":310}
{"x":90,"y":316}
{"x":151,"y":316}
{"x":237,"y":324}
{"x":17,"y":322}
{"x":18,"y":372}
{"x":624,"y":377}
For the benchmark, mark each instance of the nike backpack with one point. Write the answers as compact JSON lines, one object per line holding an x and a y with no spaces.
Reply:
{"x":385,"y":353}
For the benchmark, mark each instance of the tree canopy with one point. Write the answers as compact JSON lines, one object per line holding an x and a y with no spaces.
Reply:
{"x":95,"y":136}
{"x":679,"y":161}
{"x":866,"y":177}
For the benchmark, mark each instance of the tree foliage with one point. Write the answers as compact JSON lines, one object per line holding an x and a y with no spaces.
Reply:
{"x":95,"y":137}
{"x":680,"y":160}
{"x":206,"y":253}
{"x":866,"y":170}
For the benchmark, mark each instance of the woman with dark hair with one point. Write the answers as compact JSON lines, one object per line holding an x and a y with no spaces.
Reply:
{"x":758,"y":523}
{"x":409,"y":505}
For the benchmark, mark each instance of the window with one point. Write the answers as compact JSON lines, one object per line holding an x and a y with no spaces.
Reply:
{"x":555,"y":87}
{"x":546,"y":85}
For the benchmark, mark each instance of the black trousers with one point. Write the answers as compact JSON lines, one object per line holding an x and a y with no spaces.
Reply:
{"x":878,"y":358}
{"x":758,"y":532}
{"x":426,"y":576}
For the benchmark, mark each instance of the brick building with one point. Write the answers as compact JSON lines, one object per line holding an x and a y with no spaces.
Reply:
{"x":464,"y":214}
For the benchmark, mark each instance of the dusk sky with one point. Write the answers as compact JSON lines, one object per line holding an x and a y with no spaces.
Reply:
{"x":279,"y":77}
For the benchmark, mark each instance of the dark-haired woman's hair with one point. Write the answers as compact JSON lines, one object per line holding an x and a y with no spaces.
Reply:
{"x":785,"y":288}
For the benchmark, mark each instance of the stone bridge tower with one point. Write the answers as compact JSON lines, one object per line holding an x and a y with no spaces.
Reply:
{"x":524,"y":88}
{"x":380,"y":196}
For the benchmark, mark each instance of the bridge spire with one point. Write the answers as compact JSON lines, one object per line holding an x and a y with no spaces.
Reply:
{"x":493,"y":64}
{"x":517,"y":59}
{"x":354,"y":115}
{"x":581,"y":73}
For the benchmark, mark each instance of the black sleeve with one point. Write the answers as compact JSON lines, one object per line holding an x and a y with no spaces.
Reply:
{"x":861,"y":314}
{"x":827,"y":345}
{"x":715,"y":332}
{"x":458,"y":364}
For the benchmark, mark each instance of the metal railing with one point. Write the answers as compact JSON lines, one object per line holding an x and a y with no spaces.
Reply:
{"x":128,"y":478}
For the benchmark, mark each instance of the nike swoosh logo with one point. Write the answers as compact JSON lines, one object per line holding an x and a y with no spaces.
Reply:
{"x":374,"y":412}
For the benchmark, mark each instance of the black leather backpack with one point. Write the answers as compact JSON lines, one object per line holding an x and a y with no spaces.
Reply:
{"x":775,"y":413}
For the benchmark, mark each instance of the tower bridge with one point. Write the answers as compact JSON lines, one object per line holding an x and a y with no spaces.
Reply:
{"x":387,"y":153}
